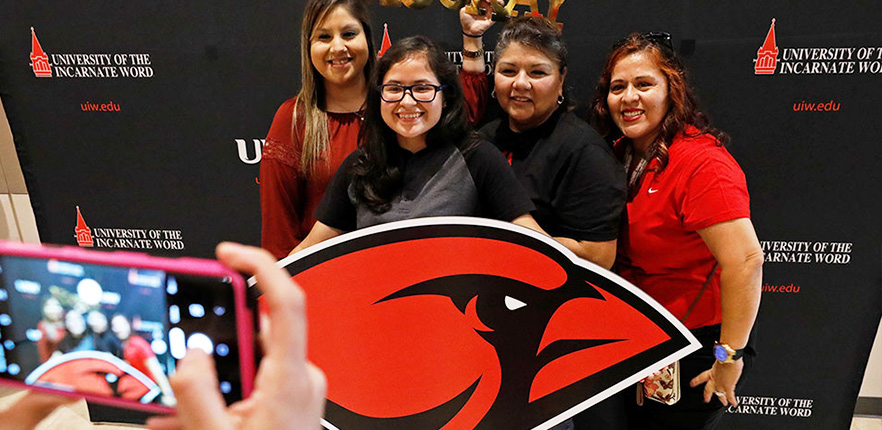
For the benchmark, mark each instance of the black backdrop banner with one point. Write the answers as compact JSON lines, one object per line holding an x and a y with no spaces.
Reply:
{"x":139,"y":126}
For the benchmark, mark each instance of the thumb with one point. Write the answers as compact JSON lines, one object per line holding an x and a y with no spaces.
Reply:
{"x":700,"y":379}
{"x":200,"y":405}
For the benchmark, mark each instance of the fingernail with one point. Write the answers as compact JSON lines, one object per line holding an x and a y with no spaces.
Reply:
{"x":226,"y":244}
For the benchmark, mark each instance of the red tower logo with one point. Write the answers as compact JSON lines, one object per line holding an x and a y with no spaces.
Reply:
{"x":40,"y":61}
{"x":387,"y":43}
{"x":767,"y":55}
{"x":84,"y":233}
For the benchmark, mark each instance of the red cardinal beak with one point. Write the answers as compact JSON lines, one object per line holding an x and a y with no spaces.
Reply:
{"x":623,"y":332}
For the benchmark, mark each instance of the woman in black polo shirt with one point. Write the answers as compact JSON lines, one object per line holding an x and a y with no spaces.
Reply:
{"x":417,"y":156}
{"x":570,"y":173}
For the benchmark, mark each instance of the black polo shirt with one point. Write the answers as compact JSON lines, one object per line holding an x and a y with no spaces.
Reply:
{"x":570,"y":173}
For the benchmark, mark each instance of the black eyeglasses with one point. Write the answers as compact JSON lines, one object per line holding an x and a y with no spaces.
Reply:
{"x":420,"y":92}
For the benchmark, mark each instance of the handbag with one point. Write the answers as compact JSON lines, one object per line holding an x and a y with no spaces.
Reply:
{"x":664,"y":387}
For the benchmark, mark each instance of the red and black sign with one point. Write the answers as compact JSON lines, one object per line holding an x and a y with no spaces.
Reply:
{"x":95,"y":373}
{"x":461,"y":323}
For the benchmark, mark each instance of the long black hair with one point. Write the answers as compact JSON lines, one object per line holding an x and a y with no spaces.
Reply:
{"x":375,"y":177}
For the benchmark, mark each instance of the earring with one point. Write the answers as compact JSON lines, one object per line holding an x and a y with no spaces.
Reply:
{"x":493,"y":93}
{"x":560,"y":99}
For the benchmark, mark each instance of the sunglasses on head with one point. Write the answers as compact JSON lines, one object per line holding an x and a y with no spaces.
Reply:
{"x":661,"y":39}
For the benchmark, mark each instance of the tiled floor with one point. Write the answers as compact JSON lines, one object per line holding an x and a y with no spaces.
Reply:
{"x":866,"y":423}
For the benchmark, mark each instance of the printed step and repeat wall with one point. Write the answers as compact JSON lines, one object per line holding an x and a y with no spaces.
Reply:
{"x":139,"y":127}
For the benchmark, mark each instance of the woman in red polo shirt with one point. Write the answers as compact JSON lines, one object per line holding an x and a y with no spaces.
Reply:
{"x":137,"y":352}
{"x":689,"y":241}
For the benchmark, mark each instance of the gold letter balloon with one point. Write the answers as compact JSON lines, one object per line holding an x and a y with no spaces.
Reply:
{"x":502,"y":10}
{"x":417,"y":4}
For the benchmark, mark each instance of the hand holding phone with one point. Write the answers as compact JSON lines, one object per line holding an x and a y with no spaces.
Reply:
{"x":111,"y":326}
{"x":289,"y":391}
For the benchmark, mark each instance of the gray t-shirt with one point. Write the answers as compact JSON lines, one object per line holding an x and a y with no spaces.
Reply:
{"x":436,"y":181}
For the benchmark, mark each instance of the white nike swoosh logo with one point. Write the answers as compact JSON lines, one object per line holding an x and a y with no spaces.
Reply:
{"x":652,"y":191}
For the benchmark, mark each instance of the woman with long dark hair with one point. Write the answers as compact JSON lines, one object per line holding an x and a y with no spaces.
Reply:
{"x":418,"y":156}
{"x":313,"y":132}
{"x":689,"y":242}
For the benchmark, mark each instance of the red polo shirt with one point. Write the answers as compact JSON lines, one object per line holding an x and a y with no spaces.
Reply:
{"x":659,"y":249}
{"x":136,"y":352}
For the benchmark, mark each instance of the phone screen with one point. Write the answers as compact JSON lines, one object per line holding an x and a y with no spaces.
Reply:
{"x":112,"y":332}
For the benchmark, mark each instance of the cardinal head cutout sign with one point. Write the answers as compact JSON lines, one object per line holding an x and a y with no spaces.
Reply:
{"x":464,"y":323}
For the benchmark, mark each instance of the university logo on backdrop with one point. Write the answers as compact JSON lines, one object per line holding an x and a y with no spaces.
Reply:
{"x":824,"y":60}
{"x":767,"y":55}
{"x":88,"y":65}
{"x":146,"y":239}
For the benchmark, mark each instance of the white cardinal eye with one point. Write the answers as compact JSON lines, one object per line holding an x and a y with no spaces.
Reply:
{"x":513,"y":304}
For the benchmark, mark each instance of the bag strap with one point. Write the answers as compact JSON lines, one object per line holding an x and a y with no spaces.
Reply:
{"x":700,"y":292}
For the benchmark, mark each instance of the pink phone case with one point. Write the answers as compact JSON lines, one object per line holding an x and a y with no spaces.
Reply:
{"x":184,"y":265}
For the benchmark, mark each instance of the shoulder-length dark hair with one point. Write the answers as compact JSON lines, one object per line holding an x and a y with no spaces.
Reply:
{"x":682,"y":107}
{"x":376,"y":178}
{"x":309,"y":110}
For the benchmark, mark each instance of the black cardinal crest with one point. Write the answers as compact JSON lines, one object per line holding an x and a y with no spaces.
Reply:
{"x":463,"y":323}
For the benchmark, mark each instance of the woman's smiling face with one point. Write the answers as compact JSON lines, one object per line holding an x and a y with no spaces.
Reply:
{"x":410,"y":119}
{"x":638,"y":98}
{"x":528,"y":85}
{"x":339,"y":48}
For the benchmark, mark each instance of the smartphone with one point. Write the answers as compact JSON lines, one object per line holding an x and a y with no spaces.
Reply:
{"x":664,"y":388}
{"x":110,"y":326}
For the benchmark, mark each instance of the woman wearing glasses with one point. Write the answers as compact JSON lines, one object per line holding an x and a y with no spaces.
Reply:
{"x":569,"y":172}
{"x":312,"y":133}
{"x":689,"y":242}
{"x":417,"y":157}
